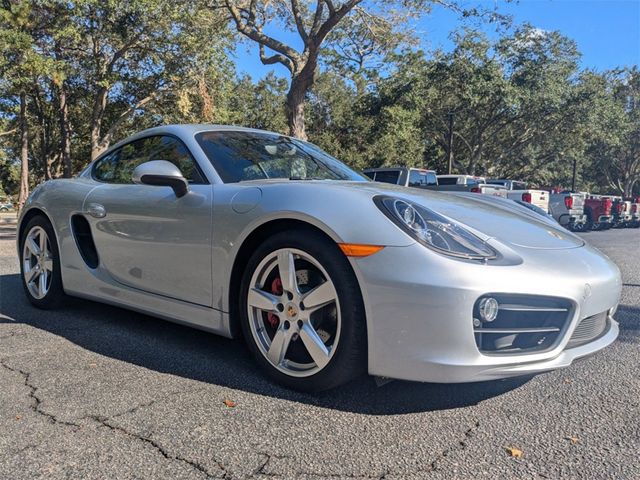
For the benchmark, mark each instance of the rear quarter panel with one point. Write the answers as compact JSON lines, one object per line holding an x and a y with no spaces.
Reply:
{"x":59,"y":200}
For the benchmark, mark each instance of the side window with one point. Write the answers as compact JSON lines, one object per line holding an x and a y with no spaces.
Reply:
{"x":388,"y":176}
{"x":447,"y":180}
{"x":420,"y":179}
{"x":173,"y":150}
{"x":118,"y":166}
{"x":105,"y":169}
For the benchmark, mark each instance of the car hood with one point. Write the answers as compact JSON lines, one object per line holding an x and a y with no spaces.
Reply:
{"x":488,"y":216}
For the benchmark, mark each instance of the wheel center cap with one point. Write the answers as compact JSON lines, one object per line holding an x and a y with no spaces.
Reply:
{"x":292,"y":311}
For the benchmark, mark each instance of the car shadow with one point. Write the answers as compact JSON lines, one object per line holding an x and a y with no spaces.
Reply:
{"x":179,"y":350}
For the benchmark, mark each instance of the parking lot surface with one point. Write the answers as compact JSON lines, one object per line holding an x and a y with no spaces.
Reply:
{"x":92,"y":391}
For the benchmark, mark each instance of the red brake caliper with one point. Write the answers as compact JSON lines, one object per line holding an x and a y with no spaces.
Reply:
{"x":276,"y":289}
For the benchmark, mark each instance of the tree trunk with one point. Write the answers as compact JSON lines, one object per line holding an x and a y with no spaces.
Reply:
{"x":300,"y":85}
{"x":65,"y":132}
{"x":24,"y":153}
{"x":99,"y":106}
{"x":44,"y":148}
{"x":628,"y":187}
{"x":295,"y":111}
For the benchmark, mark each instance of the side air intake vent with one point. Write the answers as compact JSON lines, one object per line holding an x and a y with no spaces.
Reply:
{"x":84,"y":240}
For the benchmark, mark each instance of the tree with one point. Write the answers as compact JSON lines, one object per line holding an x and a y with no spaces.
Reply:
{"x":21,"y":67}
{"x":128,"y":54}
{"x":313,"y":27}
{"x":614,"y":148}
{"x":261,"y":104}
{"x":515,"y":105}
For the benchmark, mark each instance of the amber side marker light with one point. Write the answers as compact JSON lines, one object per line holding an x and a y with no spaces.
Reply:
{"x":358,"y":250}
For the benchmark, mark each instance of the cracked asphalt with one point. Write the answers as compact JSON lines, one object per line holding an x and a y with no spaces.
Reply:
{"x":96,"y":392}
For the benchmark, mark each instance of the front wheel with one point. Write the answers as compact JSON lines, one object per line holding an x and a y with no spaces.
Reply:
{"x":40,"y":264}
{"x":302,"y":313}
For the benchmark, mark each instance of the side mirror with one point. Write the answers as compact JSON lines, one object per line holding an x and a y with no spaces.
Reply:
{"x":161,"y":173}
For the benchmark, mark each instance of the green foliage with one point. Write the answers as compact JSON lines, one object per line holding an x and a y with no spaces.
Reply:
{"x":521,"y":106}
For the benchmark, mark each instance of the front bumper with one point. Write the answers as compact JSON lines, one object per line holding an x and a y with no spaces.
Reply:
{"x":571,"y":219}
{"x":419,"y":310}
{"x":620,"y":220}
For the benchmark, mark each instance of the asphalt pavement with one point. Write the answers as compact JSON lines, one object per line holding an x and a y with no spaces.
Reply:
{"x":96,"y":392}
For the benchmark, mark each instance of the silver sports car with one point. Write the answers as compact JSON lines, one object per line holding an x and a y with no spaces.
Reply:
{"x":325,"y":274}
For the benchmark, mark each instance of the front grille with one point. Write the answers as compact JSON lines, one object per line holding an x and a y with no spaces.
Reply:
{"x":525,"y":324}
{"x":588,"y":329}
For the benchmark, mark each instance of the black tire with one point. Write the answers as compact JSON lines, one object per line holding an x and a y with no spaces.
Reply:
{"x":589,"y":225}
{"x":576,"y":227}
{"x":350,"y":357}
{"x":55,"y":296}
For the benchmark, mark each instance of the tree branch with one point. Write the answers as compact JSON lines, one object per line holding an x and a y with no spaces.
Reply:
{"x":106,"y":139}
{"x":317,"y":17}
{"x":277,"y":58}
{"x":297,"y":16}
{"x":334,"y":17}
{"x":8,"y":132}
{"x":258,"y":36}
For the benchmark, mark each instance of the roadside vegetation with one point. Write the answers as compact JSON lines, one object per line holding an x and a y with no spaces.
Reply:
{"x":77,"y":76}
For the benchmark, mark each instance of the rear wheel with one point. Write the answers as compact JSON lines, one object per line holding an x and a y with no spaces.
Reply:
{"x":40,"y":264}
{"x":302,"y":313}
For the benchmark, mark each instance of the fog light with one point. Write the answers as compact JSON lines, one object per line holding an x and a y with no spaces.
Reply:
{"x":488,"y":309}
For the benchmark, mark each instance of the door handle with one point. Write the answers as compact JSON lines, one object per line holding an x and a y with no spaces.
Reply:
{"x":96,"y":210}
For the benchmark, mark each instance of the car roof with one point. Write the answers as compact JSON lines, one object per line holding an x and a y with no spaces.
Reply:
{"x":457,"y":176}
{"x":391,"y":169}
{"x":187,"y":130}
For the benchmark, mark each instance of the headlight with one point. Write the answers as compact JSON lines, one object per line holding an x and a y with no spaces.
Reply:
{"x":434,"y":231}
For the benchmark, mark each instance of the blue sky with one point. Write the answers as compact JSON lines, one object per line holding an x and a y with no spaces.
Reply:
{"x":607,"y":31}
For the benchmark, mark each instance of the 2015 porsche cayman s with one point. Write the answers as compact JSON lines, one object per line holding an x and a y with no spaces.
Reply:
{"x":326,"y":274}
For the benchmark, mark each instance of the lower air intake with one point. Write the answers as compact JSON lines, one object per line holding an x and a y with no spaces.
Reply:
{"x":588,"y":329}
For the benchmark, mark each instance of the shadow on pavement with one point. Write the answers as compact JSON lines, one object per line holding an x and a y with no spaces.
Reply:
{"x":174,"y":349}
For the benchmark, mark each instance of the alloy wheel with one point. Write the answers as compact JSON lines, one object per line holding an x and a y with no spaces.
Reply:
{"x":294,"y":312}
{"x":37,"y":262}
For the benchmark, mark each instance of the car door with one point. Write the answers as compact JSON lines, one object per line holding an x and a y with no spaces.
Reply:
{"x":146,"y":237}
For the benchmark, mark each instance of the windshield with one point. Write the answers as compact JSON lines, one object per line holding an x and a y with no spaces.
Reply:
{"x":240,"y":156}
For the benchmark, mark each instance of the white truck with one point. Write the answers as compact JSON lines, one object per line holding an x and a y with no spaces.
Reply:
{"x":568,"y":210}
{"x":517,"y":190}
{"x":407,"y":177}
{"x":427,"y":179}
{"x":470,"y":183}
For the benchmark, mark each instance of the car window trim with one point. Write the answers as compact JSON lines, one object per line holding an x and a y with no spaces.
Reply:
{"x":244,"y":130}
{"x":143,"y":137}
